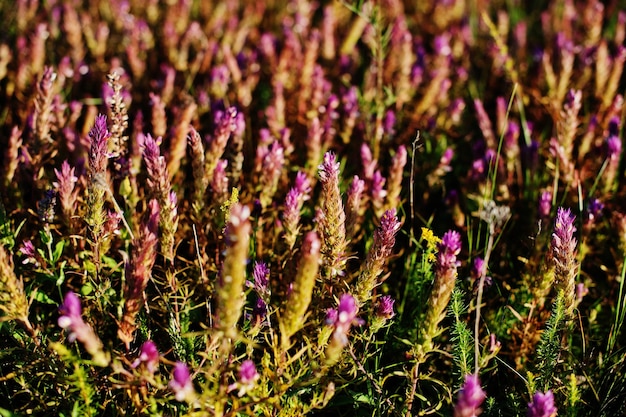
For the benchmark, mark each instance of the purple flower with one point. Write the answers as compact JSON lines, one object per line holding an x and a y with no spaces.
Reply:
{"x":149,"y":355}
{"x":389,"y":123}
{"x":29,"y":252}
{"x":302,"y":184}
{"x":542,"y":405}
{"x":563,"y":250}
{"x":369,"y":164}
{"x":594,"y":209}
{"x":343,"y":318}
{"x":470,"y":398}
{"x":247,"y":372}
{"x":99,"y":135}
{"x":259,"y":311}
{"x":613,"y":147}
{"x":477,"y":268}
{"x":219,"y":181}
{"x":563,"y":241}
{"x":446,"y":158}
{"x":384,"y":308}
{"x":181,"y":382}
{"x":261,"y":275}
{"x":448,"y":249}
{"x":545,"y":204}
{"x":378,"y":188}
{"x":65,"y":185}
{"x":247,"y":377}
{"x":70,"y":312}
{"x":331,"y":316}
{"x":329,"y":169}
{"x":71,"y":320}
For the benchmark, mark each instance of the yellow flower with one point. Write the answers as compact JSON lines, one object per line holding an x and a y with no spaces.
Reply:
{"x":431,"y":243}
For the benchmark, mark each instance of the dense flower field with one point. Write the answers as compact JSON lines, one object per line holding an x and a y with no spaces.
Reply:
{"x":331,"y":208}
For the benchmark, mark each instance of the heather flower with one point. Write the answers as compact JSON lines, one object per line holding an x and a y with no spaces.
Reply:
{"x":70,"y":319}
{"x":11,"y":155}
{"x":613,"y":154}
{"x":545,"y":204}
{"x":99,"y":136}
{"x":378,"y":254}
{"x":299,"y":297}
{"x":389,"y":122}
{"x":45,"y":206}
{"x":485,"y":124}
{"x":341,"y":319}
{"x":563,"y":251}
{"x":181,"y":383}
{"x":247,"y":372}
{"x":66,"y":189}
{"x":13,"y":301}
{"x":138,"y":273}
{"x":369,"y":164}
{"x":478,"y":269}
{"x":178,"y":143}
{"x":445,"y":278}
{"x":394,"y":185}
{"x":98,"y":185}
{"x":293,"y":205}
{"x":378,"y":192}
{"x":28,"y":251}
{"x":226,"y":123}
{"x":149,"y":356}
{"x":119,"y":115}
{"x":230,"y":286}
{"x":581,"y":292}
{"x":332,"y":219}
{"x":354,"y":206}
{"x":42,"y":117}
{"x":247,"y":376}
{"x":219,"y":183}
{"x":470,"y":398}
{"x":542,"y":405}
{"x":261,"y":276}
{"x":200,"y":177}
{"x":271,"y":171}
{"x":159,"y":118}
{"x":594,"y":210}
{"x":568,"y":121}
{"x":384,"y":307}
{"x":161,"y":189}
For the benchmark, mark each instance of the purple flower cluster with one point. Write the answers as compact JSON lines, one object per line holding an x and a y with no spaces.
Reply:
{"x":343,"y":318}
{"x":71,"y":319}
{"x":470,"y":398}
{"x":542,"y":405}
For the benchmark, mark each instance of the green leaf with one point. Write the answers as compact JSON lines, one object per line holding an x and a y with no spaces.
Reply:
{"x":7,"y":413}
{"x":42,"y":297}
{"x":58,"y":251}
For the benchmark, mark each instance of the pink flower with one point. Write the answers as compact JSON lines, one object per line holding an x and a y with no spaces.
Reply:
{"x":99,"y":135}
{"x":148,"y":355}
{"x":384,"y":308}
{"x":247,"y":372}
{"x":70,"y":315}
{"x":343,"y":318}
{"x":470,"y":398}
{"x":181,"y":382}
{"x":542,"y":405}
